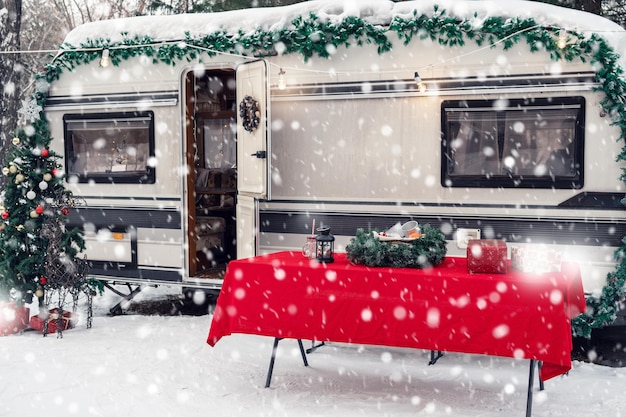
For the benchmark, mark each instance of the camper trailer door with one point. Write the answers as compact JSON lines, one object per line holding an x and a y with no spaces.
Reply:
{"x":252,"y":151}
{"x":252,"y":113}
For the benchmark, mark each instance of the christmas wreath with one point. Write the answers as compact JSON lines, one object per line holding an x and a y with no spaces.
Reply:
{"x":428,"y":250}
{"x":250,"y":114}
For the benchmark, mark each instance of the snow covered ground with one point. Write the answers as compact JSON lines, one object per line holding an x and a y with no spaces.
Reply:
{"x":136,"y":365}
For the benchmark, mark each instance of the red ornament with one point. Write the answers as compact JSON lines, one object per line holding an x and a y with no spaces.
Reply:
{"x":65,"y":211}
{"x":45,"y":153}
{"x":43,"y":280}
{"x":5,"y":215}
{"x":39,"y":210}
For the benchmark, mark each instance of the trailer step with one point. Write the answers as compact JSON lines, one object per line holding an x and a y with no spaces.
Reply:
{"x":212,"y":273}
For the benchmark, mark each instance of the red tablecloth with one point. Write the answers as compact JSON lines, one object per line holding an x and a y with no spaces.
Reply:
{"x":443,"y":308}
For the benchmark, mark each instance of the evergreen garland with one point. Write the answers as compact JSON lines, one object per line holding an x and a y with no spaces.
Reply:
{"x":311,"y":36}
{"x":427,"y":251}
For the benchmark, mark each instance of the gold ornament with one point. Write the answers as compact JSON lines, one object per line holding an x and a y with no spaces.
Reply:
{"x":47,"y":176}
{"x":16,"y":141}
{"x":12,"y":169}
{"x":19,"y":178}
{"x":33,"y":214}
{"x":39,"y":293}
{"x":5,"y":171}
{"x":20,"y":227}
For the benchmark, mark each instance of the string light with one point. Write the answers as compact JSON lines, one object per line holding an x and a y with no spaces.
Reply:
{"x":105,"y":61}
{"x":421,"y":85}
{"x":106,"y":56}
{"x":281,"y":80}
{"x":562,"y":40}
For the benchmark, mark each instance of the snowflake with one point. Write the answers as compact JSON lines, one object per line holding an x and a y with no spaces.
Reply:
{"x":30,"y":110}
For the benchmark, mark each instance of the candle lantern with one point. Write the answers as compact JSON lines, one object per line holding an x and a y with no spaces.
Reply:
{"x":324,"y":245}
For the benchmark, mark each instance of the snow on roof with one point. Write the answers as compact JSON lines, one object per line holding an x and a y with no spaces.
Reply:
{"x":377,"y":12}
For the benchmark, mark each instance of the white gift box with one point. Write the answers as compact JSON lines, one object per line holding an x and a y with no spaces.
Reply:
{"x":535,"y":259}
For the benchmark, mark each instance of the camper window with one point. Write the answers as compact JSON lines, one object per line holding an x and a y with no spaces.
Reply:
{"x":513,"y":143}
{"x":110,"y":148}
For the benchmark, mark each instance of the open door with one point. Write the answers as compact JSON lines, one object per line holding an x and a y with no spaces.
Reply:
{"x":210,"y":154}
{"x":252,"y":151}
{"x":252,"y":138}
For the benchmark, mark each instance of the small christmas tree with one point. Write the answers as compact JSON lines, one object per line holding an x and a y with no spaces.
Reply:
{"x":33,"y":194}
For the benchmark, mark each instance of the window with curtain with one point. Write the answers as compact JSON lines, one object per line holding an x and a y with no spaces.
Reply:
{"x":522,"y":143}
{"x":110,"y":147}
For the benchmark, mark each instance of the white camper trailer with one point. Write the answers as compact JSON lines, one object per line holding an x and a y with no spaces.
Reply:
{"x":231,"y":151}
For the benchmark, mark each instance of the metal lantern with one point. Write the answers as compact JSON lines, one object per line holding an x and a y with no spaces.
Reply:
{"x":324,"y":245}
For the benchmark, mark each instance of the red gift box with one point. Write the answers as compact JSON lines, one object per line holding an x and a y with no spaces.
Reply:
{"x":486,"y":256}
{"x":37,"y":322}
{"x":13,"y":319}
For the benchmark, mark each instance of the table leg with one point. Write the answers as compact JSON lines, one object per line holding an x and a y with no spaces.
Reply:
{"x":306,"y":363}
{"x":531,"y":381}
{"x":268,"y":379}
{"x":434,"y":357}
{"x":314,"y":347}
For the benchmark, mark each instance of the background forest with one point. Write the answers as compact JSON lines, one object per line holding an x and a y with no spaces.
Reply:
{"x":32,"y":30}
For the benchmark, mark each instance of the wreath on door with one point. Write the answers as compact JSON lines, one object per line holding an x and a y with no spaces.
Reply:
{"x":250,"y":114}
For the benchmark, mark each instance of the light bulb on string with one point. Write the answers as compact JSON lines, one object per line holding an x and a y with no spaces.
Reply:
{"x":565,"y":38}
{"x":561,"y":41}
{"x":105,"y":61}
{"x":282,"y":84}
{"x":421,"y":85}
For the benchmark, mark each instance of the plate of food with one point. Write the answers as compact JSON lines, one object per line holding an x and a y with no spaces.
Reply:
{"x":385,"y":237}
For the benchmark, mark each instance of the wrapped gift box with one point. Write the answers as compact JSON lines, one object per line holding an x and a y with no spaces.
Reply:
{"x":486,"y":256}
{"x":13,"y":319}
{"x":69,"y":321}
{"x":535,"y":259}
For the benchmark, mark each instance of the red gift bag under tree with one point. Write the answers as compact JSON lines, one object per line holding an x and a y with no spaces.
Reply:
{"x":13,"y":319}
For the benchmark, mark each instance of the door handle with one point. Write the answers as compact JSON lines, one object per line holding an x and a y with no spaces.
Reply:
{"x":260,"y":154}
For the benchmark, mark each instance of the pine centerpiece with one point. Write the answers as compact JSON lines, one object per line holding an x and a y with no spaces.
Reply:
{"x":428,"y":250}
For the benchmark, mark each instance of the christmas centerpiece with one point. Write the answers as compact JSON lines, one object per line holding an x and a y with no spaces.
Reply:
{"x":385,"y":249}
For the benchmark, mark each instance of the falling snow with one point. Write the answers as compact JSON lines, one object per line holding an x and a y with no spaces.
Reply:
{"x":161,"y":366}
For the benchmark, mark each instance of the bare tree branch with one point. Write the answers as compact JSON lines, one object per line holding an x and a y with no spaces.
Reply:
{"x":10,"y":72}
